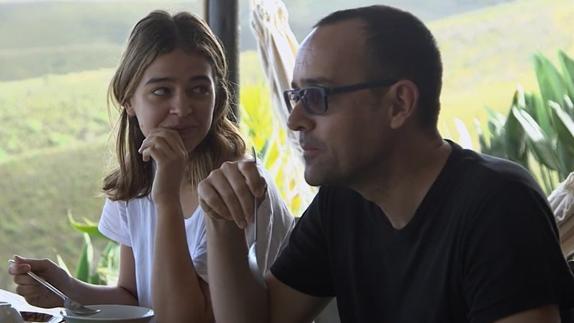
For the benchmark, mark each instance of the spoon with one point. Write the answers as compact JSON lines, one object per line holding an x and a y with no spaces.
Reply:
{"x":252,"y":255}
{"x":69,"y":304}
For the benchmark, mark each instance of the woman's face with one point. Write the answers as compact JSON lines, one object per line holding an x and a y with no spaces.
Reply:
{"x":177,"y":91}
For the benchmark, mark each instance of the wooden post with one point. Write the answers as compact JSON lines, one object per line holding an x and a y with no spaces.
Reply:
{"x":222,"y":16}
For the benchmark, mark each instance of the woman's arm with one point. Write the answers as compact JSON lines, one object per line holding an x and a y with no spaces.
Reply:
{"x":179,"y":294}
{"x":38,"y":295}
{"x":125,"y":292}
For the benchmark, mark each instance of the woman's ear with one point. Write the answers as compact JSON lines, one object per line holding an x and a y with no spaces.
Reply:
{"x":129,"y":108}
{"x":404,"y":102}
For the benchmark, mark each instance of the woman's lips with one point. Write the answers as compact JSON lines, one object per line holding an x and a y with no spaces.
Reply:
{"x":185,"y":132}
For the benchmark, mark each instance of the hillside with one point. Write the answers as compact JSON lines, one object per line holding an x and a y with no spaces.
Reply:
{"x":58,"y":110}
{"x":70,"y":36}
{"x":36,"y":194}
{"x":52,"y":110}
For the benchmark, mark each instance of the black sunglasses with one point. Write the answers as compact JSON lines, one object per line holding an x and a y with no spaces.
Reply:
{"x":314,"y":98}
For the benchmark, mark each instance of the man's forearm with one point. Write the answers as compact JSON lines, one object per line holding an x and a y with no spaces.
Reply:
{"x":236,"y":296}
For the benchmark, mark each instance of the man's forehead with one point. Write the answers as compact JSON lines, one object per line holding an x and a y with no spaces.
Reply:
{"x":331,"y":52}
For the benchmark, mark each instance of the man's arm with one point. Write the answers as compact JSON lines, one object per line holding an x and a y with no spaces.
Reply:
{"x":236,"y":295}
{"x":513,"y":261}
{"x":289,"y":305}
{"x":543,"y":314}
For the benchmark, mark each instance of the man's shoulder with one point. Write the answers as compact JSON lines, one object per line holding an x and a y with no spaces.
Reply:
{"x":485,"y":172}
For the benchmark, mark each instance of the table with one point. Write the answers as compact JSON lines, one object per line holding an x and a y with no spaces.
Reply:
{"x":19,"y":303}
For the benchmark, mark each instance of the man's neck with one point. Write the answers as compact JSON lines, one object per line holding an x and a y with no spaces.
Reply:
{"x":400,"y":187}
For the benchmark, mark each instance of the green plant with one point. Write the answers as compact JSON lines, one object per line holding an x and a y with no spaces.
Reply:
{"x":101,"y":268}
{"x":538,"y":132}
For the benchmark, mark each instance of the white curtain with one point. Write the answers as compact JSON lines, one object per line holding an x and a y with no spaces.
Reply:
{"x":277,"y":47}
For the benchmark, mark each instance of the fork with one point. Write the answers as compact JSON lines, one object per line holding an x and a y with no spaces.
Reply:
{"x":252,"y":255}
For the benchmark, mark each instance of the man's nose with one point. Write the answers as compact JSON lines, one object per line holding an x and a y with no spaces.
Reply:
{"x":298,"y":119}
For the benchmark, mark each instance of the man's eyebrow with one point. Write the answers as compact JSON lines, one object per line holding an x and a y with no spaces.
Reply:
{"x":171,"y":79}
{"x":312,"y":81}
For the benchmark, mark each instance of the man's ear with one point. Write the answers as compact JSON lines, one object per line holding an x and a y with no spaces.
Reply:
{"x":404,"y":102}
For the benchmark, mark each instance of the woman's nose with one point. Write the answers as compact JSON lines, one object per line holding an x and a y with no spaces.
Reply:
{"x":181,"y":104}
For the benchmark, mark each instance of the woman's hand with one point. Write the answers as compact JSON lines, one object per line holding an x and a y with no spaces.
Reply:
{"x":166,"y":148}
{"x":33,"y":292}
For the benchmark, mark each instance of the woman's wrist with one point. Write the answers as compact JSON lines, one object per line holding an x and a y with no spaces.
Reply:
{"x":168,"y":205}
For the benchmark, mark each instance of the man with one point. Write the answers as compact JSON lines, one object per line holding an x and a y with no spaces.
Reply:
{"x":406,"y":227}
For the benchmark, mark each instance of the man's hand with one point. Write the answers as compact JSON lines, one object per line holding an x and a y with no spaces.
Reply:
{"x":228,"y":193}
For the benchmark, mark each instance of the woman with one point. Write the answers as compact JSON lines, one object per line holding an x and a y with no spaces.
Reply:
{"x":173,"y":131}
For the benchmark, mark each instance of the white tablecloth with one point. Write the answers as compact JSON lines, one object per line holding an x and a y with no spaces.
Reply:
{"x":19,"y":303}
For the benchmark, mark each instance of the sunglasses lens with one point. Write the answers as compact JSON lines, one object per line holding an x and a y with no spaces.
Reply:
{"x":313,"y":100}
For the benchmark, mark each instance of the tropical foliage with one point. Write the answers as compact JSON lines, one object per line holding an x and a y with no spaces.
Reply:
{"x":538,"y":132}
{"x":94,"y":267}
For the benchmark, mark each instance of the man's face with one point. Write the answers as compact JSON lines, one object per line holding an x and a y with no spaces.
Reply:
{"x":346,"y":143}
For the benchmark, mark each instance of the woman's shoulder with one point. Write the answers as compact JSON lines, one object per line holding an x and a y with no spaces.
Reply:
{"x":140,"y":203}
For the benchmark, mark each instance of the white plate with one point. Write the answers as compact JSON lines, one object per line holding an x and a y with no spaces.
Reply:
{"x":112,"y":313}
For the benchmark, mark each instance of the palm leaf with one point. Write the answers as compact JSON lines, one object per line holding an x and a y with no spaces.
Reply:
{"x":565,"y":139}
{"x":550,"y":82}
{"x":538,"y":142}
{"x":87,"y":226}
{"x":515,"y":141}
{"x":86,"y":259}
{"x":567,"y":65}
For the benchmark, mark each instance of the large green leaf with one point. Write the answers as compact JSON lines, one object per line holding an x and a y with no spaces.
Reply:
{"x":514,"y":137}
{"x":87,"y":226}
{"x":536,"y":107}
{"x":62,"y":264}
{"x":84,"y":266}
{"x":567,"y":65}
{"x":538,"y":142}
{"x":550,"y":81}
{"x":515,"y":141}
{"x":565,"y":138}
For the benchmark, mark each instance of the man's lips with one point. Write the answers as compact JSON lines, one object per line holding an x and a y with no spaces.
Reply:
{"x":309,"y":150}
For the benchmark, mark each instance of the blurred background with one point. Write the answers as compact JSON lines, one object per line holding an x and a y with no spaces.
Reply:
{"x":56,"y":142}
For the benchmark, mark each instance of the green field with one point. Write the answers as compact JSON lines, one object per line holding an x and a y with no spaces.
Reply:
{"x":54,"y":134}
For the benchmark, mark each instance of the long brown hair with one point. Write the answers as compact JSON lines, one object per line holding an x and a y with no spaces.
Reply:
{"x":156,"y":34}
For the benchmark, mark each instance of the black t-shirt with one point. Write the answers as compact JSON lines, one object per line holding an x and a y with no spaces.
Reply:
{"x":482,"y":245}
